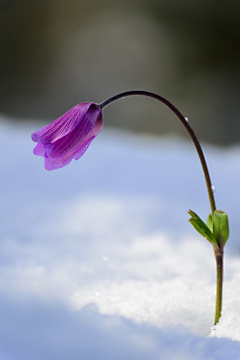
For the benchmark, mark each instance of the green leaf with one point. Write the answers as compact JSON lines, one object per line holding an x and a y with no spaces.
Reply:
{"x":220,"y":227}
{"x":201,"y":227}
{"x":210,"y":222}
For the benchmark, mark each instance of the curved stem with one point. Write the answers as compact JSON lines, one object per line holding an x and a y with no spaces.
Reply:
{"x":186,"y":125}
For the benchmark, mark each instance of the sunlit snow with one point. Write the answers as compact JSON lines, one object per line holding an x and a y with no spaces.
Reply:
{"x":98,"y":260}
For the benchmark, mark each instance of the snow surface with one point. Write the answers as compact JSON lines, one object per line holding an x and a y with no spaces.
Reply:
{"x":98,"y":260}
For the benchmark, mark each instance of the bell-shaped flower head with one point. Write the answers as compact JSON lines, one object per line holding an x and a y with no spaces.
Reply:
{"x":69,"y":136}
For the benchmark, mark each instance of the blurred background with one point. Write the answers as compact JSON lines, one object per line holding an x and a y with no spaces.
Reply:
{"x":57,"y":53}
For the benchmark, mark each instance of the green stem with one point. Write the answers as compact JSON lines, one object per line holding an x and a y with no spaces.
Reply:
{"x":219,"y":287}
{"x":186,"y":125}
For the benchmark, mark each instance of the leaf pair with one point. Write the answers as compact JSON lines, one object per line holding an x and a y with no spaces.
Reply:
{"x":216,"y":231}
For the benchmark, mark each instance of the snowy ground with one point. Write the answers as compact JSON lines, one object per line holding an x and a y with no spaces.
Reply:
{"x":98,"y":260}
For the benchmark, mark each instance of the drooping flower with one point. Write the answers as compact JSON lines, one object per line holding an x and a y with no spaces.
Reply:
{"x":69,"y":136}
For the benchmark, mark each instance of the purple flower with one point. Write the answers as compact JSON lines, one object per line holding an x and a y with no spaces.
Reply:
{"x":69,"y":136}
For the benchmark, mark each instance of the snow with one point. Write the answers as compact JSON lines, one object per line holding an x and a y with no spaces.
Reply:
{"x":98,"y":260}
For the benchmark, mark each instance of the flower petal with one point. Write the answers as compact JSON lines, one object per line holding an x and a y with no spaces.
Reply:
{"x":55,"y":163}
{"x":79,"y":153}
{"x":70,"y":143}
{"x":64,"y":124}
{"x":69,"y":136}
{"x":40,"y":150}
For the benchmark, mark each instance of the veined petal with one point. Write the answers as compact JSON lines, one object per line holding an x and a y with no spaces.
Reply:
{"x":40,"y":150}
{"x":80,"y":152}
{"x":55,"y":163}
{"x":66,"y":123}
{"x":69,"y":144}
{"x":69,"y":136}
{"x":51,"y":163}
